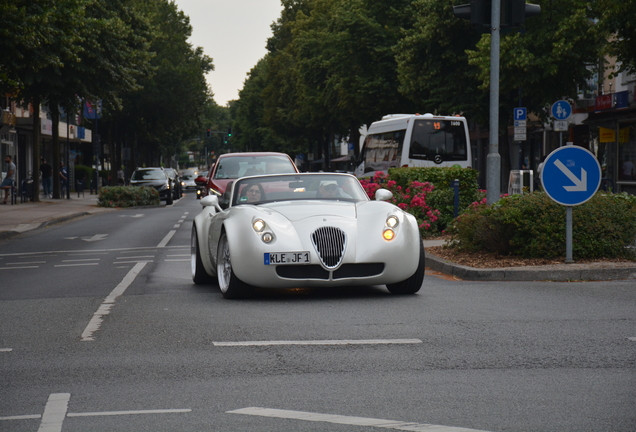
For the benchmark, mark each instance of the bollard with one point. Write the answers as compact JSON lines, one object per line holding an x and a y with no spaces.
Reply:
{"x":455,"y":185}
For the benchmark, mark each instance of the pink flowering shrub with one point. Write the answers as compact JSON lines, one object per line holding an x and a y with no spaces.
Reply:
{"x":411,"y":199}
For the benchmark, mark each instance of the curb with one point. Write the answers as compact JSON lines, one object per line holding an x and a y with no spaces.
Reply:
{"x":528,"y":273}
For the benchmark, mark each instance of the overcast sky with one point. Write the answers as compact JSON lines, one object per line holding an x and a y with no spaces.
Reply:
{"x":233,"y":33}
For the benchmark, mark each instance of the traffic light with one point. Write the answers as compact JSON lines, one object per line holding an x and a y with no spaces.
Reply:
{"x":513,"y":12}
{"x":208,"y":133}
{"x":229,"y":132}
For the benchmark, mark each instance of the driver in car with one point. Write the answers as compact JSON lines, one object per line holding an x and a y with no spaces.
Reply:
{"x":330,"y":189}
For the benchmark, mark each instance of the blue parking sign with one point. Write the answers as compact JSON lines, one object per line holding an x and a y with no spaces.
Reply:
{"x":520,"y":113}
{"x":571,"y":175}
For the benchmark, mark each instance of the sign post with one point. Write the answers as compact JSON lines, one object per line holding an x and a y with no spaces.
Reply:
{"x":570,"y":176}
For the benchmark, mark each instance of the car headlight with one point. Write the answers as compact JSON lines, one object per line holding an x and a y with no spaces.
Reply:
{"x":260,"y":227}
{"x":392,"y":221}
{"x":388,"y":234}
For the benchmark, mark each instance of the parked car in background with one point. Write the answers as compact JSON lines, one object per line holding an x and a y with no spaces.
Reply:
{"x":231,"y":166}
{"x":156,"y":178}
{"x":305,"y":230}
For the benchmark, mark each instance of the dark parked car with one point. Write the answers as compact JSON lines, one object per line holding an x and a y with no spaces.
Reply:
{"x":156,"y":178}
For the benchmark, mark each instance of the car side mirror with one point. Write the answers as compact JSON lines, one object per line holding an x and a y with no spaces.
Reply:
{"x":383,"y":195}
{"x":211,"y":201}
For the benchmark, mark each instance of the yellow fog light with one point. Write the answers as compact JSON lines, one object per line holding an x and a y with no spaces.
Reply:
{"x":392,"y":221}
{"x":258,"y":225}
{"x":388,"y":234}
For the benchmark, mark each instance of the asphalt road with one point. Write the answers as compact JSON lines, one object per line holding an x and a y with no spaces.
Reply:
{"x":101,"y":329}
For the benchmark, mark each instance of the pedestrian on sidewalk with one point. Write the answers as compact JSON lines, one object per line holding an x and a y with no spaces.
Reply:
{"x":47,"y":176}
{"x":9,"y":179}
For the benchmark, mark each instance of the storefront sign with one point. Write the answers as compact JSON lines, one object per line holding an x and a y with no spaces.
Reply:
{"x":603,"y":102}
{"x":606,"y":135}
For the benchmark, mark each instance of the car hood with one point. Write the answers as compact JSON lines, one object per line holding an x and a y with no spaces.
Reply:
{"x":295,"y":212}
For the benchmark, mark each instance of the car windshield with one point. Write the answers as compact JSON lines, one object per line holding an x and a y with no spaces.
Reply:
{"x":149,"y":174}
{"x":234,"y":167}
{"x":266,"y":189}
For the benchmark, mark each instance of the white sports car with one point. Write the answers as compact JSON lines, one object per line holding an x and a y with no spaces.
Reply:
{"x":304,"y":230}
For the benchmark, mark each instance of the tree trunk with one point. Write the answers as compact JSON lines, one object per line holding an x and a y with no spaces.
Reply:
{"x":35,"y":102}
{"x":55,"y":120}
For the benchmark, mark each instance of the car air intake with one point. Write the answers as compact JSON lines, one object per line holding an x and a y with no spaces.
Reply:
{"x":330,"y":244}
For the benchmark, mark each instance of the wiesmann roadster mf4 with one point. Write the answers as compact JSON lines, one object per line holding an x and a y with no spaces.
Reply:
{"x":305,"y":230}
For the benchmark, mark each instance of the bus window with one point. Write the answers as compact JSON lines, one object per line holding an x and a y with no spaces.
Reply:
{"x":439,"y":140}
{"x":382,"y":151}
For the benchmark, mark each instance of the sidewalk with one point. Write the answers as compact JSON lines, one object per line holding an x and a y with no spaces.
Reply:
{"x":18,"y":218}
{"x":21,"y":217}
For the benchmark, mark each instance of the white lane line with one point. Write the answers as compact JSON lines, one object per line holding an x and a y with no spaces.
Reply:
{"x":109,"y":302}
{"x":75,"y":265}
{"x":80,"y":260}
{"x":322,"y":342}
{"x":166,"y":239}
{"x":179,"y":255}
{"x":114,"y":413}
{"x":177,"y":260}
{"x":27,"y":262}
{"x":633,"y":339}
{"x":348,"y":420}
{"x":21,"y":267}
{"x":22,"y":417}
{"x":54,"y":412}
{"x":131,"y":262}
{"x":6,"y":349}
{"x":176,"y":226}
{"x":153,"y":250}
{"x":134,"y":257}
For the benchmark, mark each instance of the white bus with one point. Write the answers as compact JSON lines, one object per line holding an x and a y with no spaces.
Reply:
{"x":414,"y":140}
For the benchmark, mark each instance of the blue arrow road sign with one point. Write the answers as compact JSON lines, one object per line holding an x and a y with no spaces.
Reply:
{"x":571,"y":175}
{"x":561,"y":110}
{"x":520,"y":113}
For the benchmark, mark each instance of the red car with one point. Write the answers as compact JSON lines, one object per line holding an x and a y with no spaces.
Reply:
{"x":230,"y":166}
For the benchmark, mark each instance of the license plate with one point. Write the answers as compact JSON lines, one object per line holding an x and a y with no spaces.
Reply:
{"x":278,"y":258}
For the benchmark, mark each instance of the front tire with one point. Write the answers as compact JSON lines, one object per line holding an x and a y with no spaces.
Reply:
{"x":231,"y":286}
{"x":199,"y":275}
{"x":413,"y":283}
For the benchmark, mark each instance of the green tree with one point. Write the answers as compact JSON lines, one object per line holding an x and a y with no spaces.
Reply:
{"x":616,"y":18}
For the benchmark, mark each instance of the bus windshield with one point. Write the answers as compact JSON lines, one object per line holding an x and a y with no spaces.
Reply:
{"x":438,"y":140}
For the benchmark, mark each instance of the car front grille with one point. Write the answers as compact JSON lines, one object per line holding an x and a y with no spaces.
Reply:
{"x":330,"y":243}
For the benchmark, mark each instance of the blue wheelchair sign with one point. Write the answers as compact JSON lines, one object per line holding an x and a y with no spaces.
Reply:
{"x":571,"y":175}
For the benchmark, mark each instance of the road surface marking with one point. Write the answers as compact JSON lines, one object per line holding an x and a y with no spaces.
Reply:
{"x":179,"y":255}
{"x":22,"y":417}
{"x":114,"y":413}
{"x":133,"y":257}
{"x":15,"y":268}
{"x":75,"y":265}
{"x":131,"y":262}
{"x":109,"y":302}
{"x":27,"y":262}
{"x":85,"y":259}
{"x":177,"y":260}
{"x":34,"y":255}
{"x":166,"y":239}
{"x":322,"y":342}
{"x":6,"y":349}
{"x":176,"y":226}
{"x":633,"y":339}
{"x":96,"y":237}
{"x":54,"y":412}
{"x":348,"y":420}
